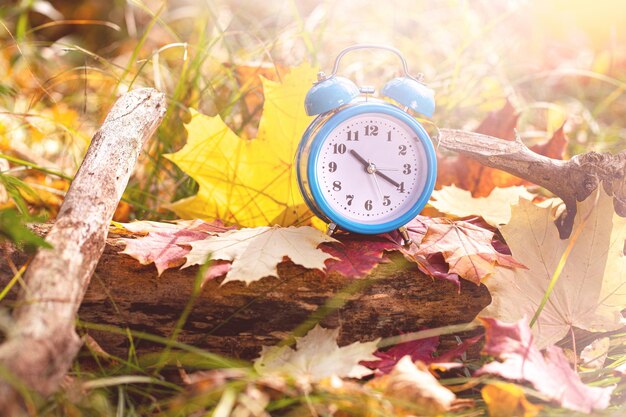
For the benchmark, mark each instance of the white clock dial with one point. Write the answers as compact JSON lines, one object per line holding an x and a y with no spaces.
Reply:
{"x":372,"y":168}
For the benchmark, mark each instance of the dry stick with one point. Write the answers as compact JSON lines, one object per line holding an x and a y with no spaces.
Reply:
{"x":572,"y":180}
{"x":43,"y":344}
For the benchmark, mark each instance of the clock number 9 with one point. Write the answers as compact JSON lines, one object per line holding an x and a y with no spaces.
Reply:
{"x":368,"y":205}
{"x":332,"y":167}
{"x":371,"y":130}
{"x":337,"y":186}
{"x":401,"y":150}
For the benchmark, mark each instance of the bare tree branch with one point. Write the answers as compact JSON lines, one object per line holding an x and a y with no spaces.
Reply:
{"x":572,"y":180}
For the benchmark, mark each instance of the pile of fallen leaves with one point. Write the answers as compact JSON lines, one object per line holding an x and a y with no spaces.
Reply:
{"x":248,"y":217}
{"x":588,"y":294}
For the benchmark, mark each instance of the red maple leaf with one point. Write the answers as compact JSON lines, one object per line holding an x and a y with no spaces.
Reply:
{"x":356,"y":255}
{"x":422,"y":350}
{"x":419,"y":350}
{"x":165,"y":243}
{"x":549,"y":372}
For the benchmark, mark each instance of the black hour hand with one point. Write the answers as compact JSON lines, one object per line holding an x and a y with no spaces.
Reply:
{"x":359,"y":158}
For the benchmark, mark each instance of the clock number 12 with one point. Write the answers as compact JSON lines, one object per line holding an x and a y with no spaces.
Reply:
{"x":371,"y":130}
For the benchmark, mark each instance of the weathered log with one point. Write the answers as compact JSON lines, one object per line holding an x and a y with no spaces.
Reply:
{"x":572,"y":180}
{"x":42,"y":343}
{"x":236,"y":320}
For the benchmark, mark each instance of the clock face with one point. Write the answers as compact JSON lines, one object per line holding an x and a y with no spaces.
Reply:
{"x":372,"y":168}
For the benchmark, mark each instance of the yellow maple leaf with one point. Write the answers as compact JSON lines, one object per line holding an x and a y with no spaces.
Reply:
{"x":507,"y":400}
{"x":249,"y":182}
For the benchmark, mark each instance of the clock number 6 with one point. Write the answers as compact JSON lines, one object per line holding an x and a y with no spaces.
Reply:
{"x":368,"y":205}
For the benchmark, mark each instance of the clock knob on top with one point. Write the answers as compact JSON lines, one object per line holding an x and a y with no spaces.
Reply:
{"x":328,"y":94}
{"x":411,"y":93}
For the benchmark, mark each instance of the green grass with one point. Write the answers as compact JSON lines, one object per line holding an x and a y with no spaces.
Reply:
{"x":474,"y":54}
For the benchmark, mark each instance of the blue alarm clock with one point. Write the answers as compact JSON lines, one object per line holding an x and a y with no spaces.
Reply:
{"x":366,"y":165}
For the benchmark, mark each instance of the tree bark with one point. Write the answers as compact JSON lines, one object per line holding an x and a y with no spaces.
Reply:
{"x":42,"y":342}
{"x":237,"y":320}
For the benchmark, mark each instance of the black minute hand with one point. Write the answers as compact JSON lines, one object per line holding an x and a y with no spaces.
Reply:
{"x":386,"y":178}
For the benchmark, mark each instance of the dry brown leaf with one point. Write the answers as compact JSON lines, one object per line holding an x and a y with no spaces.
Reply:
{"x":414,"y":390}
{"x":494,"y":208}
{"x":594,"y":354}
{"x":591,"y":289}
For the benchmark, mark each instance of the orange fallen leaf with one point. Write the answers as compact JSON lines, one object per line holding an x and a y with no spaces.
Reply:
{"x":466,"y":248}
{"x":504,"y":399}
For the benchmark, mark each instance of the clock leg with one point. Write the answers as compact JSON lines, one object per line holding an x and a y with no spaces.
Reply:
{"x":332,"y":227}
{"x":405,"y":236}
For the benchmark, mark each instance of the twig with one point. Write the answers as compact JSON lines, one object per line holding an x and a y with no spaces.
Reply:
{"x":44,"y":344}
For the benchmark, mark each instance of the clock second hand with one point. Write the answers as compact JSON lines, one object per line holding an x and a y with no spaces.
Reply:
{"x":389,"y":180}
{"x":380,"y":193}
